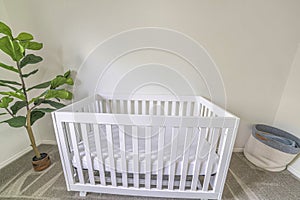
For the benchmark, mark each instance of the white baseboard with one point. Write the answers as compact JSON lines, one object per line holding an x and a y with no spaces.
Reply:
{"x":53,"y":142}
{"x":26,"y":150}
{"x":15,"y":157}
{"x":294,"y":171}
{"x":238,"y":149}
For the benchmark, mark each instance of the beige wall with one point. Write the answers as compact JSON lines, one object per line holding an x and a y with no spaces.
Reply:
{"x":288,"y":114}
{"x":252,"y":42}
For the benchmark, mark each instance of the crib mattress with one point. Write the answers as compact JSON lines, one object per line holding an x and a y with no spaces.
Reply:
{"x":142,"y":161}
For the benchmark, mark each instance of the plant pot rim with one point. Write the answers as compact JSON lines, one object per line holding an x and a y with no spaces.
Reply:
{"x":43,"y":155}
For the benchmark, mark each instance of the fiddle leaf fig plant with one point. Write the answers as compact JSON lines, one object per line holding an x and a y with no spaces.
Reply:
{"x":17,"y":102}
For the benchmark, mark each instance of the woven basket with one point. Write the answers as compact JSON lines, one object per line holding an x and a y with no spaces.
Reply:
{"x":271,"y":152}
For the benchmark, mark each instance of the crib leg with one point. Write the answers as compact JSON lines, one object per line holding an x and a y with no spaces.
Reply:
{"x":82,"y":194}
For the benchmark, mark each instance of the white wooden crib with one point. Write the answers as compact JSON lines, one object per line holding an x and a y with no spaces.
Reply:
{"x":161,"y":146}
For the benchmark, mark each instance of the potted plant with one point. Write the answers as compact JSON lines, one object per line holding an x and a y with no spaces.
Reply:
{"x":17,"y":100}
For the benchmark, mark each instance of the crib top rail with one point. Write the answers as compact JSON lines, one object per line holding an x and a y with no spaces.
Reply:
{"x":218,"y":111}
{"x":146,"y":120}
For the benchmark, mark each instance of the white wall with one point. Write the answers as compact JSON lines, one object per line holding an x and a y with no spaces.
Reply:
{"x":252,"y":42}
{"x":288,"y":114}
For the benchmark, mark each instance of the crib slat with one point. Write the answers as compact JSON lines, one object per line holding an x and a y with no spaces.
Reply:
{"x":158,"y":108}
{"x":196,"y":109}
{"x":202,"y":110}
{"x":110,"y":146}
{"x":108,"y":107}
{"x":122,"y":106}
{"x":76,"y":152}
{"x":151,"y":109}
{"x":148,"y":157}
{"x":188,"y":108}
{"x":166,"y":108}
{"x":225,"y":156}
{"x":99,"y":154}
{"x":114,"y":105}
{"x":180,"y":108}
{"x":129,"y":107}
{"x":97,"y":106}
{"x":160,"y":157}
{"x":135,"y":149}
{"x":210,"y":113}
{"x":222,"y":140}
{"x":197,"y":163}
{"x":136,"y":107}
{"x":185,"y":159}
{"x":210,"y":159}
{"x":123,"y":155}
{"x":102,"y":106}
{"x":64,"y":146}
{"x":88,"y":153}
{"x":174,"y":143}
{"x":206,"y":112}
{"x":173,"y":112}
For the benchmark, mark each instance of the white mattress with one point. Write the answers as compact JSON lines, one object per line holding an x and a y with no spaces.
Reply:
{"x":129,"y":157}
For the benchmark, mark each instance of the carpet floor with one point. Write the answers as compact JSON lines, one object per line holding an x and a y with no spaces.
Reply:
{"x":244,"y":182}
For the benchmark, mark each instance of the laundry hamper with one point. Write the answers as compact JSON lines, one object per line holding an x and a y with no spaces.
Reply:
{"x":271,"y":148}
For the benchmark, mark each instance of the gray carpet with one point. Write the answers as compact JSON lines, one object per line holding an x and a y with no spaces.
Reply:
{"x":244,"y":182}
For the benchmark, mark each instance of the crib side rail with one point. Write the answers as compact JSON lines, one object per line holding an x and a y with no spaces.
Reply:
{"x":145,"y":120}
{"x":166,"y":105}
{"x":73,"y":135}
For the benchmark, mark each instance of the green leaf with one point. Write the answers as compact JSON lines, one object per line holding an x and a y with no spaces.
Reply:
{"x":24,"y":43}
{"x":33,"y":45}
{"x":30,"y":59}
{"x":18,"y":95}
{"x":16,"y":122}
{"x":67,"y":74}
{"x":11,"y":68}
{"x":6,"y":45}
{"x":24,"y":36}
{"x":45,"y":110}
{"x":17,"y":106}
{"x":4,"y":29}
{"x":40,"y":86}
{"x":31,"y":73}
{"x":10,"y":82}
{"x":61,"y":94}
{"x":12,"y":48}
{"x":33,"y":100}
{"x":54,"y":104}
{"x":3,"y":114}
{"x":61,"y":80}
{"x":35,"y":115}
{"x":11,"y":87}
{"x":4,"y":102}
{"x":18,"y":50}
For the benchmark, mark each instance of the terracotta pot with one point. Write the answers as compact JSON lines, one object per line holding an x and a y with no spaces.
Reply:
{"x":41,"y":163}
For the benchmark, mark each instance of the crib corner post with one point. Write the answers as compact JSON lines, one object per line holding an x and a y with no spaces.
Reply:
{"x":82,"y":194}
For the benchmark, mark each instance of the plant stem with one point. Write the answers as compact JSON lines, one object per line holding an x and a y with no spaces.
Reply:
{"x":28,"y":115}
{"x":23,"y":85}
{"x":31,"y":136}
